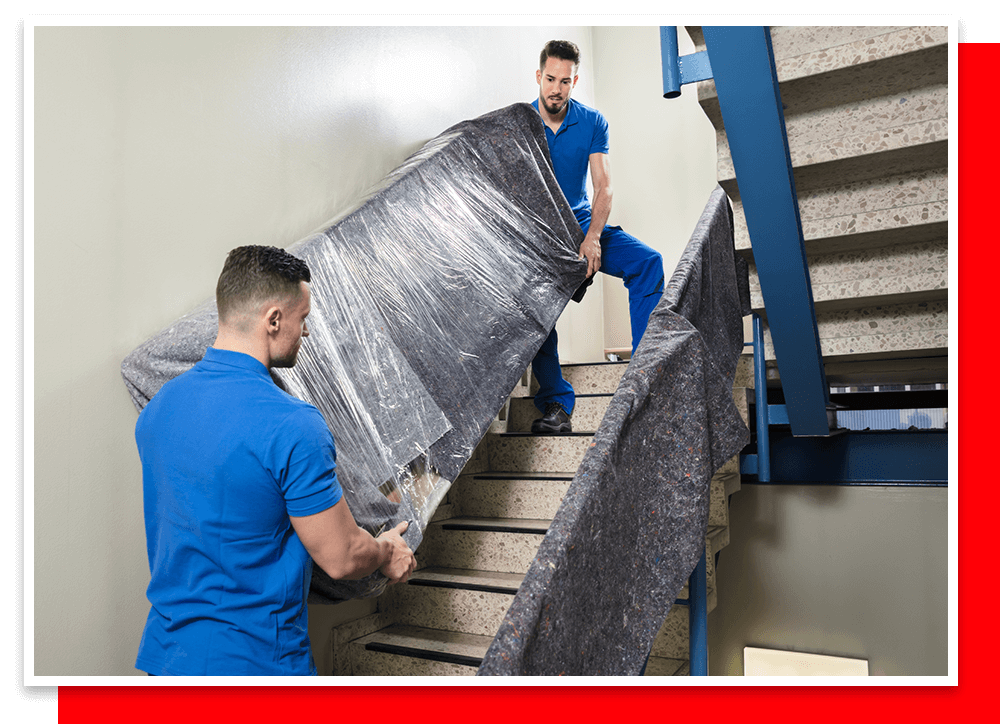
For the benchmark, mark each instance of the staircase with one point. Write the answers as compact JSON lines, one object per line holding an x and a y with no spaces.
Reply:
{"x":866,"y":113}
{"x":484,"y":537}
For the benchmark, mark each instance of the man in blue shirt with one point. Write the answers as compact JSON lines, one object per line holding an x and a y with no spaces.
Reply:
{"x":240,"y":492}
{"x":578,"y":137}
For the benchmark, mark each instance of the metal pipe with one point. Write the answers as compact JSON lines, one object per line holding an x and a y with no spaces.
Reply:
{"x":760,"y":395}
{"x":670,"y":61}
{"x":698,"y":618}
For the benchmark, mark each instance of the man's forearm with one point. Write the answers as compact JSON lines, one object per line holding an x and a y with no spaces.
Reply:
{"x":599,"y":212}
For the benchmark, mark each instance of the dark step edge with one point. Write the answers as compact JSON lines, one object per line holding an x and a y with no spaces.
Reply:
{"x":415,"y":653}
{"x":522,"y":476}
{"x":594,"y":364}
{"x":578,"y":395}
{"x":458,"y":585}
{"x":486,"y":588}
{"x":495,"y":528}
{"x":587,"y":433}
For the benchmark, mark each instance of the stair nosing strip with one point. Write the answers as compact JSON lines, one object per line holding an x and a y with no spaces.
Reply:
{"x":456,"y":585}
{"x":501,"y":475}
{"x":496,"y":528}
{"x":425,"y":654}
{"x":587,"y":433}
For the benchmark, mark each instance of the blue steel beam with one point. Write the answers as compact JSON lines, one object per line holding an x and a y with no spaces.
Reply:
{"x":743,"y":66}
{"x":890,"y":457}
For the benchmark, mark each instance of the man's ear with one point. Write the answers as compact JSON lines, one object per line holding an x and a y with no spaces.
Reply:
{"x":538,"y":76}
{"x":273,"y":318}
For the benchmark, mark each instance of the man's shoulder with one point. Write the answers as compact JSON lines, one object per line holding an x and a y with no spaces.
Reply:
{"x":588,"y":113}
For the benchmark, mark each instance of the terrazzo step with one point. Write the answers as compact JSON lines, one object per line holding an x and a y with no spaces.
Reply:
{"x":401,"y":650}
{"x":476,"y":601}
{"x":866,"y":115}
{"x":538,"y":495}
{"x":589,"y":378}
{"x":850,"y":97}
{"x":517,"y":451}
{"x":511,"y":495}
{"x":912,"y":330}
{"x":873,"y":278}
{"x":483,"y":544}
{"x":587,"y":413}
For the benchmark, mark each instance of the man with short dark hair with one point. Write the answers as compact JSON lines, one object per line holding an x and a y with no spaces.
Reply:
{"x":240,"y":491}
{"x":578,"y":138}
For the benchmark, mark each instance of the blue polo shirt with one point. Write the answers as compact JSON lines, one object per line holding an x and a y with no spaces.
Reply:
{"x":583,"y":131}
{"x":227,"y":456}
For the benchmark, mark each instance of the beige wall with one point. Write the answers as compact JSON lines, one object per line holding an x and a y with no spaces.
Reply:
{"x":156,"y":150}
{"x":856,"y":572}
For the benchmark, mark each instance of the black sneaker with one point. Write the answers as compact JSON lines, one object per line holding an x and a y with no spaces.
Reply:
{"x":555,"y":419}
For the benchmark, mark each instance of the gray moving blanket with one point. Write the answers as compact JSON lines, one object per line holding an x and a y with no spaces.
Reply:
{"x":632,"y":525}
{"x":429,"y":300}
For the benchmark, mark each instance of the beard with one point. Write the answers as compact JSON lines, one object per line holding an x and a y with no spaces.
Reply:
{"x":554,"y":109}
{"x":288,"y":360}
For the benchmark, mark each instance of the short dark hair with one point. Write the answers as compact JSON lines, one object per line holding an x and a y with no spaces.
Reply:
{"x":254,"y":275}
{"x":562,"y":49}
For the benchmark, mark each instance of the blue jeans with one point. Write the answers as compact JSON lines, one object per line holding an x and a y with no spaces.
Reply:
{"x":641,"y":268}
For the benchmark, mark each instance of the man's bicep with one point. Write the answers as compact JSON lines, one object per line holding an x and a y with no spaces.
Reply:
{"x":327,"y":535}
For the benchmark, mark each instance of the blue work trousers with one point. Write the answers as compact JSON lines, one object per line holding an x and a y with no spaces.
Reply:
{"x":641,"y":268}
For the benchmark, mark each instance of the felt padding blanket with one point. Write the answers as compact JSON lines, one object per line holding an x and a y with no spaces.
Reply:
{"x":429,"y":300}
{"x":632,"y":526}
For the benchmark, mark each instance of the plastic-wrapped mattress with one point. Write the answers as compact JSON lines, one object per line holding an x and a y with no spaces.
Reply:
{"x":429,"y":300}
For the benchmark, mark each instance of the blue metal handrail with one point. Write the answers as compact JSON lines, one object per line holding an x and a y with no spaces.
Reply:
{"x":742,"y":66}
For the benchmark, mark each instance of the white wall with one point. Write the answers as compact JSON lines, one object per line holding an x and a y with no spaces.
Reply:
{"x":156,"y":150}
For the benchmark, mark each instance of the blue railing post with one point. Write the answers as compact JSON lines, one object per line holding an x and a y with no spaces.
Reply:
{"x":698,"y":618}
{"x":670,"y":61}
{"x":760,"y":396}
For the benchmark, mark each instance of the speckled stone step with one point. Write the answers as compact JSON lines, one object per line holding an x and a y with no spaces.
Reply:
{"x":587,"y":413}
{"x":472,"y":602}
{"x":874,"y":277}
{"x":866,"y":115}
{"x":853,"y":95}
{"x":513,"y":452}
{"x":497,"y":547}
{"x":415,"y":651}
{"x":511,"y":495}
{"x":400,"y":650}
{"x":593,"y":378}
{"x":475,"y":602}
{"x":918,"y":329}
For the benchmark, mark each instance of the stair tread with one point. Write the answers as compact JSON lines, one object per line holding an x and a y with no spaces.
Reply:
{"x":526,"y":475}
{"x":438,"y":644}
{"x":536,"y":525}
{"x":468,"y":578}
{"x":417,"y":638}
{"x":575,"y":433}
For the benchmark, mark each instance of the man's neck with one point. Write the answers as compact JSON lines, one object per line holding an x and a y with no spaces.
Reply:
{"x":234,"y":340}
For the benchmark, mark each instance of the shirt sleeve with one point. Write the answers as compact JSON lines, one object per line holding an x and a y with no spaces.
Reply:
{"x":306,"y":463}
{"x":600,"y":143}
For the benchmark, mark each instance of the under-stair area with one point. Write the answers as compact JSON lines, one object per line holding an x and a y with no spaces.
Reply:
{"x":484,"y":537}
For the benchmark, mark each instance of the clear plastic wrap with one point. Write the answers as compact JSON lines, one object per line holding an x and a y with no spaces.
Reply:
{"x":429,"y":300}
